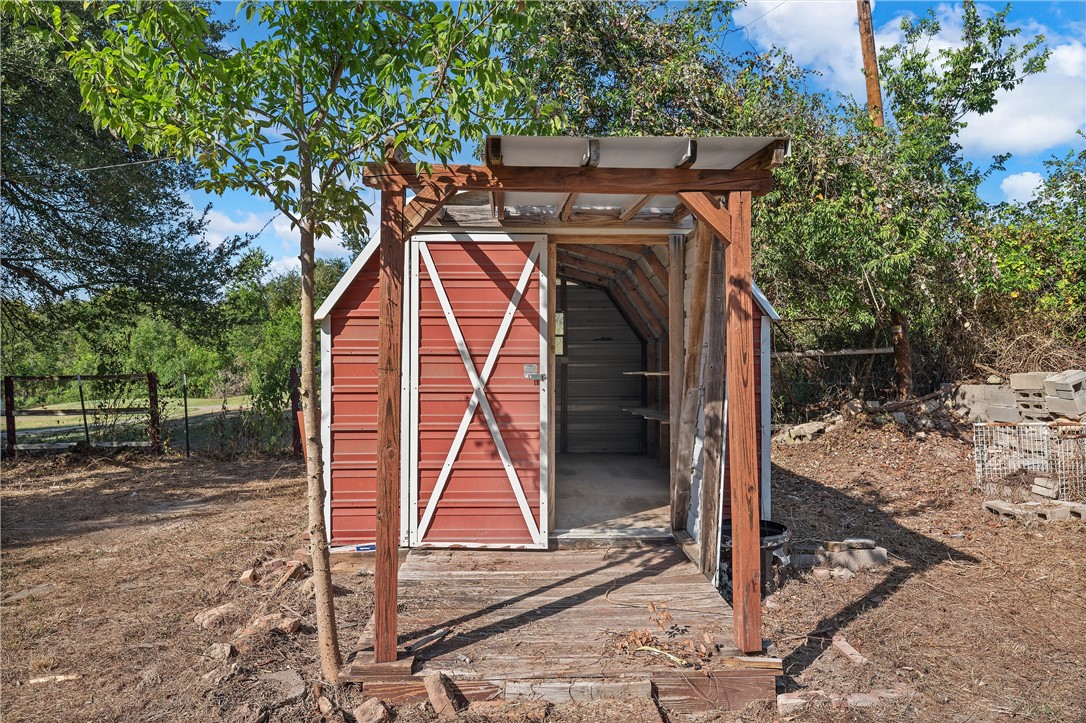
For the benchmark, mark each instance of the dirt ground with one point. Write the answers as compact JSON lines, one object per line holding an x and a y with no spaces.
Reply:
{"x":976,"y":619}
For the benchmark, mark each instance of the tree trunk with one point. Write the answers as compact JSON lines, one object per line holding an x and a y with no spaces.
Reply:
{"x":327,"y":639}
{"x":903,"y":365}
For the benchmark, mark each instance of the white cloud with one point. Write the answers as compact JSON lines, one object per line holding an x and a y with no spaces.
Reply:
{"x":221,"y":225}
{"x":1044,"y":112}
{"x":824,"y":36}
{"x":1020,"y":187}
{"x":283,"y":265}
{"x":324,"y":246}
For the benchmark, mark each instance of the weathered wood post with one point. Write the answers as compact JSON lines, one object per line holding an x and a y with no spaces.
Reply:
{"x":295,"y":412}
{"x":9,"y":413}
{"x":388,"y":424}
{"x":742,"y":448}
{"x":156,"y":422}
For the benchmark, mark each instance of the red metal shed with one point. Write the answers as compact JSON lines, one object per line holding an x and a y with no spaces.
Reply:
{"x":522,"y":317}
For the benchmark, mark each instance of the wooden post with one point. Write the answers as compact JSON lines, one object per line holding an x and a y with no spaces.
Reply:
{"x":390,"y":325}
{"x":155,"y":427}
{"x":295,"y":412}
{"x":899,"y":331}
{"x":676,"y":259}
{"x":742,"y":448}
{"x":713,"y":467}
{"x":699,"y":284}
{"x":9,"y":413}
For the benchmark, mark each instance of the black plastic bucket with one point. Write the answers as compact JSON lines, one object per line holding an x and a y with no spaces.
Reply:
{"x":774,"y":538}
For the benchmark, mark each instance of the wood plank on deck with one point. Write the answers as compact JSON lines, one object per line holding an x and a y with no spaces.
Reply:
{"x":549,"y":621}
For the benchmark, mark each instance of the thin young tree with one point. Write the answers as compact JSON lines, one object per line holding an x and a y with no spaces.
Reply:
{"x":294,"y":117}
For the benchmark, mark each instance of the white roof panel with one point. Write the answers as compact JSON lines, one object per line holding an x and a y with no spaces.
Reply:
{"x":713,"y":153}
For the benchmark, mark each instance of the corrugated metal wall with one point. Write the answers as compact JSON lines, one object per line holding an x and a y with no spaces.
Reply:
{"x":600,"y":346}
{"x":353,"y":450}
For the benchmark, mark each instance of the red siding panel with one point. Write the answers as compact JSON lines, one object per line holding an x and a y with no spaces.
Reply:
{"x":354,"y":411}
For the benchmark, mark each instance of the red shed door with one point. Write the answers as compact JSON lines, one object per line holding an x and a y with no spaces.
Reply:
{"x":478,"y":355}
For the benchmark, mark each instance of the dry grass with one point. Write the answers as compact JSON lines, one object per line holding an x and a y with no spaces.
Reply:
{"x":136,"y":547}
{"x":982,"y":618}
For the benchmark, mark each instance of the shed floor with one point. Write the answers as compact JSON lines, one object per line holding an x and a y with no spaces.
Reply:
{"x":611,"y":495}
{"x":564,"y":625}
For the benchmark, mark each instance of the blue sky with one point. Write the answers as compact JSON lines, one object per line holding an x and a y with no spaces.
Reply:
{"x":1033,"y":122}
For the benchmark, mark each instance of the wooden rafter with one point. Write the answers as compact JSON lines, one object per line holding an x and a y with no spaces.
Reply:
{"x":657,"y":267}
{"x":709,"y":211}
{"x":689,"y":159}
{"x":581,"y":276}
{"x":590,"y":266}
{"x":632,"y":239}
{"x":632,"y":307}
{"x":769,"y":157}
{"x":622,"y":289}
{"x":426,"y":204}
{"x":591,"y":160}
{"x":581,"y":179}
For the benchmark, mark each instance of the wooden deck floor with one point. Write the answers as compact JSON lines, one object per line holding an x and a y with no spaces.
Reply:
{"x":565,"y":624}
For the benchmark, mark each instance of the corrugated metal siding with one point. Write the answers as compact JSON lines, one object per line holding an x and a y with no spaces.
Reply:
{"x":354,"y":411}
{"x":478,"y":505}
{"x":600,"y":346}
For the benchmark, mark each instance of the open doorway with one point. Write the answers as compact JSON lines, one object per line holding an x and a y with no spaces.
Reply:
{"x":607,"y":484}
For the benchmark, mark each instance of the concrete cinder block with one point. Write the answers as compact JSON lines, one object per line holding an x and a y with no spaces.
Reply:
{"x":1067,"y":384}
{"x":997,"y":413}
{"x":853,"y":560}
{"x":1070,"y":408}
{"x":1029,"y":380}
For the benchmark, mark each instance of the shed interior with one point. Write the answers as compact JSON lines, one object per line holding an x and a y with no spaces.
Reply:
{"x":608,"y":482}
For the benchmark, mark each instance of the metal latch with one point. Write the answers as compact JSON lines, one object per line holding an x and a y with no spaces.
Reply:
{"x":531,"y":371}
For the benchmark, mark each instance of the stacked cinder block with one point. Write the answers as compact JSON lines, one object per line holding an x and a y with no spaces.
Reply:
{"x":1029,"y":393}
{"x":1065,"y":393}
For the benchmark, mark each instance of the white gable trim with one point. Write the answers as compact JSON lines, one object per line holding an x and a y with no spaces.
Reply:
{"x":763,"y":302}
{"x":348,"y":278}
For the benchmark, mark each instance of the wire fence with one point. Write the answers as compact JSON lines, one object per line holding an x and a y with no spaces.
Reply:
{"x":1054,"y":452}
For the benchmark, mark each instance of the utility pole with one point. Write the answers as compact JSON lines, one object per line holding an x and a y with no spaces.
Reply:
{"x":903,"y":367}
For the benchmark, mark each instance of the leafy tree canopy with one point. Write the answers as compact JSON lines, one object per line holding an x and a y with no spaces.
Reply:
{"x":84,"y":213}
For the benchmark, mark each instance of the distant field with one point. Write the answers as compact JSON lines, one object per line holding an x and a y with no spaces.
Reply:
{"x":198,"y":406}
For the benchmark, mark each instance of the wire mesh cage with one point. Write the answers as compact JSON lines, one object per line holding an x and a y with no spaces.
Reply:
{"x":1056,"y":452}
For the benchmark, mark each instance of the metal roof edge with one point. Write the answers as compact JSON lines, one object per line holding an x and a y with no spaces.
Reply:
{"x":763,"y":301}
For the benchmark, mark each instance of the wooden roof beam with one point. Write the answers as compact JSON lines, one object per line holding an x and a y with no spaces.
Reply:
{"x":709,"y":211}
{"x":591,"y":160}
{"x":638,"y":303}
{"x":769,"y":157}
{"x":582,"y":179}
{"x":424,"y":205}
